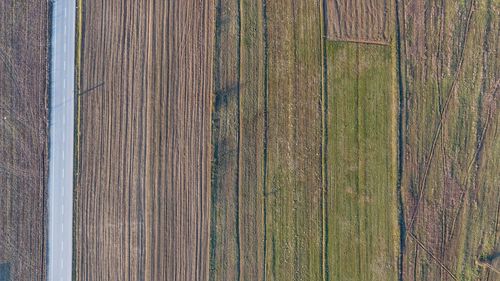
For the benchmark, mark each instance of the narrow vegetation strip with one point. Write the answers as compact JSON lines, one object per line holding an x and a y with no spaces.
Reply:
{"x":294,"y":181}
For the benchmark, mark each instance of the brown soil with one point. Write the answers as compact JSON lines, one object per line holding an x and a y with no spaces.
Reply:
{"x":143,"y":174}
{"x":23,"y":138}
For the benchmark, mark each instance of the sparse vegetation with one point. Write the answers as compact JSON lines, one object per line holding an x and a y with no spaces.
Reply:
{"x":450,"y":171}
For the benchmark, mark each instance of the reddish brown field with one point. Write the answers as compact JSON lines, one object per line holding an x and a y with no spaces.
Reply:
{"x":23,"y":138}
{"x":143,"y":175}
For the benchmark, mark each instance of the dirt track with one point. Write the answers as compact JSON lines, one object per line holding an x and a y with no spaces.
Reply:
{"x":143,"y":182}
{"x":23,"y":138}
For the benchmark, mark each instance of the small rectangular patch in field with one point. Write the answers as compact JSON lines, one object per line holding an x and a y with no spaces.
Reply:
{"x":358,"y":20}
{"x":4,"y":271}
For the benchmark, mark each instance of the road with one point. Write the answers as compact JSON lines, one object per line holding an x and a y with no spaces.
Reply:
{"x":61,"y":141}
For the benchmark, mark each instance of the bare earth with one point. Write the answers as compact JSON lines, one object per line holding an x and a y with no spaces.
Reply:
{"x":143,"y":175}
{"x":23,"y":138}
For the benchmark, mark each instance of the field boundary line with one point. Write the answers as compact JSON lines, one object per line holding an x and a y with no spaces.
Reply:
{"x":77,"y":122}
{"x":266,"y":132}
{"x":399,"y":13}
{"x":324,"y":142}
{"x":360,"y":41}
{"x":239,"y":171}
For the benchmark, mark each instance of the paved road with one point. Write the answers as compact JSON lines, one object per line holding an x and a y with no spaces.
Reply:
{"x":61,"y":141}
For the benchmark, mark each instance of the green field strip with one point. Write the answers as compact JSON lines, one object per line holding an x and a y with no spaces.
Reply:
{"x":78,"y":109}
{"x":294,"y":162}
{"x":252,"y":133}
{"x":237,"y":219}
{"x":363,"y":241}
{"x":450,"y":191}
{"x":224,"y":234}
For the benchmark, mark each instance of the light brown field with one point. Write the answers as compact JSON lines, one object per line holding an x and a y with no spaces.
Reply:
{"x":366,"y":21}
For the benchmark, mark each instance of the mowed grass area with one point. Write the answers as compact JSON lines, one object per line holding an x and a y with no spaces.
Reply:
{"x":24,"y":112}
{"x":363,"y":234}
{"x":450,"y":176}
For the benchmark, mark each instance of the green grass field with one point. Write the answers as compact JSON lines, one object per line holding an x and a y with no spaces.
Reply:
{"x":363,"y":237}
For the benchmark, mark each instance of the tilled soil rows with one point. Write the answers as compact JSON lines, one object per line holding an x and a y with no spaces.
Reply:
{"x":23,"y":138}
{"x":143,"y":170}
